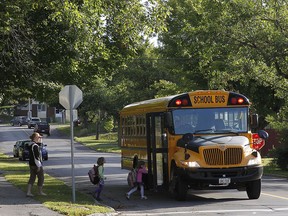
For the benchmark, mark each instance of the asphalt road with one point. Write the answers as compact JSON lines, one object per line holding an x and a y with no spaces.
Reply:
{"x":273,"y":200}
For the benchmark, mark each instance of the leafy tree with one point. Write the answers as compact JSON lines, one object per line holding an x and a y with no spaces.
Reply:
{"x":14,"y":56}
{"x":237,"y":45}
{"x":48,"y":44}
{"x":109,"y":124}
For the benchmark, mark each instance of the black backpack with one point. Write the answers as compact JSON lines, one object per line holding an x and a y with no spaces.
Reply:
{"x":94,"y":175}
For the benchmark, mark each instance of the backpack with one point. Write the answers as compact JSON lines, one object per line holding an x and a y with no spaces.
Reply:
{"x":94,"y":175}
{"x":131,"y":178}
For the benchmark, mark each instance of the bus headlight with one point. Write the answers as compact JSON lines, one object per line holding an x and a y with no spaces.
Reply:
{"x":190,"y":163}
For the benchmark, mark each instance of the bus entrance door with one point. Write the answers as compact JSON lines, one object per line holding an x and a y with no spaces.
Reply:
{"x":157,"y":152}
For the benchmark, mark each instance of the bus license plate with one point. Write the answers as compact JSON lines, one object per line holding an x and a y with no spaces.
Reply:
{"x":224,"y":181}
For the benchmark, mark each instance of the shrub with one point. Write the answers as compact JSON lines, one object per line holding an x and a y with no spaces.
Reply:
{"x":280,"y":156}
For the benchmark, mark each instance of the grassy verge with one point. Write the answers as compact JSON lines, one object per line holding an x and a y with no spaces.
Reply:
{"x":58,"y":194}
{"x":271,"y":169}
{"x":102,"y":145}
{"x":106,"y":143}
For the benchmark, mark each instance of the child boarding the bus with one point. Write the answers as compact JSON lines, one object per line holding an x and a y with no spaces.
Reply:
{"x":139,"y":182}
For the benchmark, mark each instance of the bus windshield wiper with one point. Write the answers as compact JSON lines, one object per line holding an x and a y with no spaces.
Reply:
{"x":233,"y":132}
{"x":204,"y":130}
{"x":227,"y":131}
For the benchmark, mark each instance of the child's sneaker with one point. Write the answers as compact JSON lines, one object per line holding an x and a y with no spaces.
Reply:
{"x":127,"y":196}
{"x":144,"y":197}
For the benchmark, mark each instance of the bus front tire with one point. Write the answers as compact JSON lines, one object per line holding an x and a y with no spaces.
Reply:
{"x":253,"y":189}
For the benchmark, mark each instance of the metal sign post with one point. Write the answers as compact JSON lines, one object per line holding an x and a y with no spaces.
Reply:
{"x":70,"y":97}
{"x":72,"y":145}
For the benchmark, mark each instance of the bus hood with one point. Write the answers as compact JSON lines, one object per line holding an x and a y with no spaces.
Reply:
{"x":214,"y":140}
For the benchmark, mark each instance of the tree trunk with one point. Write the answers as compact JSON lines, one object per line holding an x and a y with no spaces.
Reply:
{"x":97,"y":130}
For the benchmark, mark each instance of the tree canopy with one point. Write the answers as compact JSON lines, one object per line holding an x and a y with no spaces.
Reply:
{"x":48,"y":44}
{"x":103,"y":47}
{"x":238,"y":45}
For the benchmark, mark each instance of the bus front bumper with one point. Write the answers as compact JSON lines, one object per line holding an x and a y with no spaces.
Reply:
{"x":232,"y":177}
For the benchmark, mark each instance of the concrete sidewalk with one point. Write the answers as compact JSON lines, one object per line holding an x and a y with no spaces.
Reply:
{"x":13,"y":201}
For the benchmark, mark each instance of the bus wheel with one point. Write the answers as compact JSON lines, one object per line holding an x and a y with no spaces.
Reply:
{"x":181,"y":188}
{"x":253,"y":189}
{"x":172,"y":185}
{"x":172,"y":179}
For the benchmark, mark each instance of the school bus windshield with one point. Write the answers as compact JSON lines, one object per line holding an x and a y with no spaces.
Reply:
{"x":211,"y":120}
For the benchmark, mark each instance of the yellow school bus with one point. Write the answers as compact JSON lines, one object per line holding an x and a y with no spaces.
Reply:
{"x":202,"y":139}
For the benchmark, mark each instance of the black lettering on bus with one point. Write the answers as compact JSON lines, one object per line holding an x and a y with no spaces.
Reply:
{"x":196,"y":99}
{"x":220,"y":99}
{"x":211,"y":99}
{"x":203,"y":99}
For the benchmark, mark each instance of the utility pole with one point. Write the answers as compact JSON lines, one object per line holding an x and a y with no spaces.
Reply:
{"x":29,"y":109}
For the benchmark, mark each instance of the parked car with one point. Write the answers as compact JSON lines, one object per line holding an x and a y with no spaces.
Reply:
{"x":24,"y":151}
{"x":42,"y":128}
{"x":33,"y":121}
{"x":19,"y":120}
{"x":17,"y":146}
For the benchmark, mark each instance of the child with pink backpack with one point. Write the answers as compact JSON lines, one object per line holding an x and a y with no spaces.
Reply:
{"x":139,"y":183}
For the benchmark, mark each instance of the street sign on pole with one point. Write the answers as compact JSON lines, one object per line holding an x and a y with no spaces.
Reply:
{"x":70,"y":97}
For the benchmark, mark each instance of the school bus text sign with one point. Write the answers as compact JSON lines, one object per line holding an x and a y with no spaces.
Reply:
{"x":209,"y":100}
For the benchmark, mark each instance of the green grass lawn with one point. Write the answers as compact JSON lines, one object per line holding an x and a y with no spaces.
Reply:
{"x":59,"y":195}
{"x":101,"y":145}
{"x":107,"y":142}
{"x":271,"y":169}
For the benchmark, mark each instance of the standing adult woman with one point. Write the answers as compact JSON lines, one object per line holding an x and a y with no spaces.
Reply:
{"x":35,"y":164}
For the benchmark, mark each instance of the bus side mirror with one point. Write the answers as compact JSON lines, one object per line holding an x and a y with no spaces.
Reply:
{"x":188,"y":137}
{"x":263,"y":134}
{"x":254,"y":121}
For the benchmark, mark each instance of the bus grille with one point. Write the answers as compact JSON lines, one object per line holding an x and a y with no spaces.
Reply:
{"x":229,"y":156}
